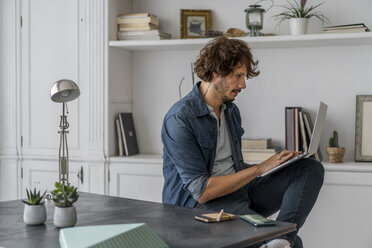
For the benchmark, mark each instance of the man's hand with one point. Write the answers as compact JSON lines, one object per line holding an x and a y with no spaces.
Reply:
{"x":276,"y":159}
{"x":218,"y":186}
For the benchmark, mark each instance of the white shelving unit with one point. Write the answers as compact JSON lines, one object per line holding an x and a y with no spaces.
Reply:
{"x":282,"y":41}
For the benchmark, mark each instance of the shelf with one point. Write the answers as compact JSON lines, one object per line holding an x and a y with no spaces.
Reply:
{"x":359,"y":167}
{"x":350,"y":166}
{"x":281,"y":41}
{"x":139,"y":158}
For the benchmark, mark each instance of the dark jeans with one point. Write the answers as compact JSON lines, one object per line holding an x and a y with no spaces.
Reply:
{"x":293,"y":190}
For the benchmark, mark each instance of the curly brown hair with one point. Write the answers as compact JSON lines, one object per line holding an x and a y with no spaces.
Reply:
{"x":221,"y":56}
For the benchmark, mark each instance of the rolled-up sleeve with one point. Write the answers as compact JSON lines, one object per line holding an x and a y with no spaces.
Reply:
{"x":183,"y":149}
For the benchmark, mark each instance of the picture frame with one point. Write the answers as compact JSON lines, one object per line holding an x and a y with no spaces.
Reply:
{"x":363,"y":128}
{"x":195,"y":23}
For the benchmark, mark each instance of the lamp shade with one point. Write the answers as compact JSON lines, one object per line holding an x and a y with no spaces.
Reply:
{"x":64,"y":90}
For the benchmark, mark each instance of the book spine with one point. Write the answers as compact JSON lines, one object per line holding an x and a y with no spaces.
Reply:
{"x":256,"y":156}
{"x":129,"y":134}
{"x":152,"y":20}
{"x":303,"y":134}
{"x":137,"y":28}
{"x":289,"y":128}
{"x":120,"y":148}
{"x":125,"y":145}
{"x":255,"y":143}
{"x":296,"y":129}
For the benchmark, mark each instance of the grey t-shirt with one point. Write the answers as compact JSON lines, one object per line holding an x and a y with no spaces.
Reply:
{"x":223,"y":163}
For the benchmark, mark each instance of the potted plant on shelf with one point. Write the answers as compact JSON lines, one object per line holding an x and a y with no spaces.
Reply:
{"x":64,"y":195}
{"x":334,"y":152}
{"x":34,"y":212}
{"x":299,"y":15}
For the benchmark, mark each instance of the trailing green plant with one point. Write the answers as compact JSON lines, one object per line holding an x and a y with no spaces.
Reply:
{"x":333,"y":141}
{"x":298,"y":10}
{"x":64,"y":195}
{"x":34,"y":198}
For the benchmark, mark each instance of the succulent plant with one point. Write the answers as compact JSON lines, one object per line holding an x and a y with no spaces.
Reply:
{"x":64,"y":195}
{"x":333,"y":141}
{"x":34,"y":198}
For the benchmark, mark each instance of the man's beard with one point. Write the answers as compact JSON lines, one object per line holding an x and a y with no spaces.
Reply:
{"x":222,"y":87}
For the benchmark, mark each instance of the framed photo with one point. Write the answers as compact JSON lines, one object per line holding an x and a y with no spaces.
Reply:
{"x":194,"y":23}
{"x":363,"y":128}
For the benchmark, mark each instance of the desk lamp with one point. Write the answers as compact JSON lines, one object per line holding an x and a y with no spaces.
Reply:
{"x":63,"y":91}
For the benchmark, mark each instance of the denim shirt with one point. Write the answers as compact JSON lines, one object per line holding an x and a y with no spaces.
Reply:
{"x":189,"y":136}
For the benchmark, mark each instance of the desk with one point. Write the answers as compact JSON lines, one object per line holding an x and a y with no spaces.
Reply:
{"x":174,"y":224}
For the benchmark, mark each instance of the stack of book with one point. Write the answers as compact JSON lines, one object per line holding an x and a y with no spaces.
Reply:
{"x":126,"y":138}
{"x":298,"y":130}
{"x":257,"y":149}
{"x":349,"y":28}
{"x":140,"y":26}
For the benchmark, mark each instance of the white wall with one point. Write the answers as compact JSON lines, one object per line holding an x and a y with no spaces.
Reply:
{"x":227,"y":14}
{"x":289,"y":76}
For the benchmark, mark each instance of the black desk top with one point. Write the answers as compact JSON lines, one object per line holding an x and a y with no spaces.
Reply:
{"x":174,"y":224}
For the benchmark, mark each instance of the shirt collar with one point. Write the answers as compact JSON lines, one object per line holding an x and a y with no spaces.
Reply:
{"x":200,"y":107}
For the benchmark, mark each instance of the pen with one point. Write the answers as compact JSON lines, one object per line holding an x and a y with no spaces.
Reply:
{"x":219,"y":215}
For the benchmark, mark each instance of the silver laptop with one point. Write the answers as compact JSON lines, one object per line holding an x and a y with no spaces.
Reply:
{"x":314,"y":141}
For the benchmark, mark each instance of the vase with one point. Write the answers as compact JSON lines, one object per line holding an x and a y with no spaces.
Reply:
{"x":298,"y":26}
{"x":335,"y":154}
{"x":64,"y":217}
{"x":34,"y":214}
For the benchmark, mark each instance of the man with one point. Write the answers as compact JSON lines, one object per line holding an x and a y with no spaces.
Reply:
{"x":202,"y":163}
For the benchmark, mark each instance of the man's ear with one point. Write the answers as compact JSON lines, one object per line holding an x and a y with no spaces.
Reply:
{"x":216,"y":75}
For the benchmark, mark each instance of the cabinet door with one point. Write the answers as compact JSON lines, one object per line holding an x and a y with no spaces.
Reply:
{"x":42,"y":175}
{"x":9,"y":175}
{"x":340,"y":217}
{"x":142,"y":181}
{"x":50,"y":52}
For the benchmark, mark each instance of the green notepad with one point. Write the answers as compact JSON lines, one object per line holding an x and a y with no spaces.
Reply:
{"x":110,"y":236}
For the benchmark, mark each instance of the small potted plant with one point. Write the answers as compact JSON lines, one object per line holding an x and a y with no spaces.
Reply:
{"x":299,"y":15}
{"x":34,"y":212}
{"x":64,"y":195}
{"x":334,"y":152}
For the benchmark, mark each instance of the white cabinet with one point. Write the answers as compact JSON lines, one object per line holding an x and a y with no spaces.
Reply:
{"x":10,"y":175}
{"x":42,"y":175}
{"x":340,"y":216}
{"x":138,"y":177}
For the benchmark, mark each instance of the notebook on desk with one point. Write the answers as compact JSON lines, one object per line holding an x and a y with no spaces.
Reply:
{"x":135,"y":235}
{"x":314,"y":141}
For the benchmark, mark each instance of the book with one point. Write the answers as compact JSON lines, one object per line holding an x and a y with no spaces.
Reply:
{"x":137,"y":26}
{"x":356,"y":25}
{"x":303,"y":132}
{"x":143,"y":38}
{"x":296,"y":129}
{"x":213,"y":217}
{"x":137,"y":19}
{"x":259,"y":149}
{"x":256,"y":143}
{"x":143,"y":35}
{"x":347,"y":30}
{"x":136,"y":15}
{"x":289,"y":144}
{"x":113,"y":236}
{"x":292,"y":135}
{"x":257,"y":156}
{"x":119,"y":138}
{"x":128,"y":134}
